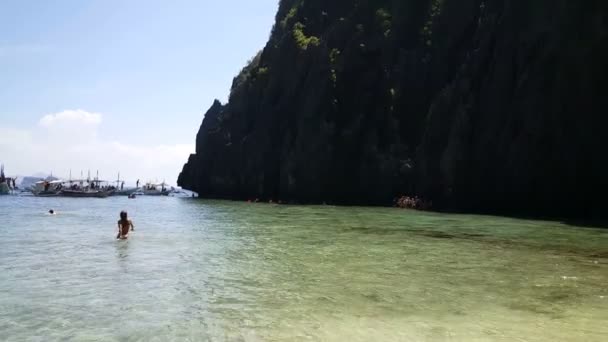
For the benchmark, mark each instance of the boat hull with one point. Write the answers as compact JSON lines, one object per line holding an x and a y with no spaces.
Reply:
{"x":124,"y":192}
{"x":85,"y":194}
{"x":155,"y":193}
{"x":46,"y":194}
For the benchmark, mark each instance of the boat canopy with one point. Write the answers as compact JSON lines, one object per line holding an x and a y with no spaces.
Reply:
{"x":156,"y":184}
{"x":51,"y":182}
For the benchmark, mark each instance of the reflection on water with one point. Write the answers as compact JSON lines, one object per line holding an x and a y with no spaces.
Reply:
{"x":122,"y":254}
{"x":233,"y":271}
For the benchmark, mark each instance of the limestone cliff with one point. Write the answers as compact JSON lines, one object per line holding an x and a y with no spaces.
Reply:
{"x":477,"y":105}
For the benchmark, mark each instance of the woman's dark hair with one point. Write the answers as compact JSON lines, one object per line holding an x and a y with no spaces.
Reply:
{"x":123,"y":215}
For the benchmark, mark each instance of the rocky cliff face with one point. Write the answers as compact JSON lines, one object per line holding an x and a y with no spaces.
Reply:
{"x":477,"y":105}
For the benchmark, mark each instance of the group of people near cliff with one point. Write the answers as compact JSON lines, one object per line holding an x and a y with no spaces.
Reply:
{"x":407,"y":202}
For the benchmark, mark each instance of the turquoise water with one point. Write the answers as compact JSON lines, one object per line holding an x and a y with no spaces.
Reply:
{"x":222,"y":271}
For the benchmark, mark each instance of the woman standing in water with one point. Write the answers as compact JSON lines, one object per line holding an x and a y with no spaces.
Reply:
{"x":124,"y":225}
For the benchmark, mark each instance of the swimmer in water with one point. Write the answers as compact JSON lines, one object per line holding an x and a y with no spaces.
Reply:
{"x":124,"y":226}
{"x":51,"y":212}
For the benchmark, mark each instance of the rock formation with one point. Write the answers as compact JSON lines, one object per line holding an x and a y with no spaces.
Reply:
{"x":477,"y":105}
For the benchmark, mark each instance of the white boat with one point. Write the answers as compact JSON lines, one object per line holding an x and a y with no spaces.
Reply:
{"x":48,"y":188}
{"x":152,"y":189}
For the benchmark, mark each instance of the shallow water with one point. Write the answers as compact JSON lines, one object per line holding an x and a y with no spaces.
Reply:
{"x":222,"y":271}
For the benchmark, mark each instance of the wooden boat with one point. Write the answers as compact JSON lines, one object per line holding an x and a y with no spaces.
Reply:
{"x":90,"y":188}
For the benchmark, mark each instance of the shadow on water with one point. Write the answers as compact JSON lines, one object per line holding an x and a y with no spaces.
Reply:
{"x":482,"y":239}
{"x":122,"y":252}
{"x":593,"y":223}
{"x":402,"y":224}
{"x":576,"y":221}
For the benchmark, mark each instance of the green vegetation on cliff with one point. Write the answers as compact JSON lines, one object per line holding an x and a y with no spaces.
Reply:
{"x":301,"y":39}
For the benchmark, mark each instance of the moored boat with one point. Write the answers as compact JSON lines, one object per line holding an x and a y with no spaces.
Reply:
{"x":152,"y":189}
{"x":86,"y":193}
{"x":90,"y":188}
{"x":6,"y":184}
{"x":47,"y":188}
{"x":120,"y":188}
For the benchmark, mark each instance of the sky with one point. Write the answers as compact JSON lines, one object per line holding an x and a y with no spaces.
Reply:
{"x":117,"y":85}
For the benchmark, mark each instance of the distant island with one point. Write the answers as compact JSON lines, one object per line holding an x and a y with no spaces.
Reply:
{"x":472,"y":105}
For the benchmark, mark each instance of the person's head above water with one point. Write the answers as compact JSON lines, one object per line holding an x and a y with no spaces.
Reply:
{"x":123,"y":215}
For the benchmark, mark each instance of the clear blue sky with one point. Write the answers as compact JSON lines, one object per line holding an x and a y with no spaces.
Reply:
{"x":149,"y":67}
